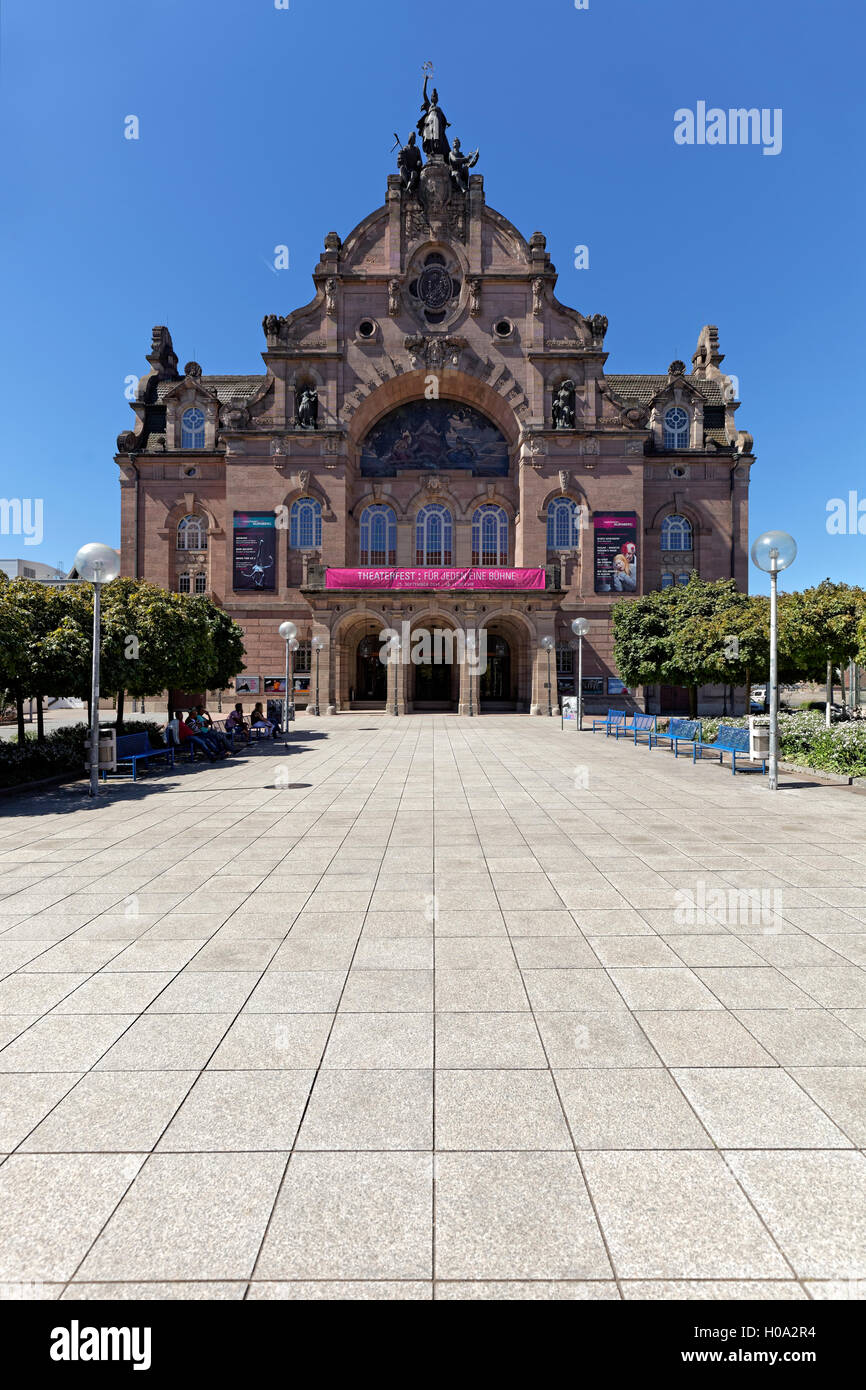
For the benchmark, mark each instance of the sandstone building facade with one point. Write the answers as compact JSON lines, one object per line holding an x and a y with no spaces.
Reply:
{"x":435,"y":444}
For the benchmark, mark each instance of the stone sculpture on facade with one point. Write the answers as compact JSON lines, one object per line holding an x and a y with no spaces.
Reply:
{"x":597,"y":325}
{"x":563,"y":406}
{"x":307,"y":410}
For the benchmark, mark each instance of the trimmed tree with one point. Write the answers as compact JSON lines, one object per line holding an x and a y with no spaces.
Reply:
{"x":688,"y":635}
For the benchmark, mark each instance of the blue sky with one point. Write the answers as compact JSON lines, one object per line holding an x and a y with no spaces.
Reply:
{"x":261,"y":126}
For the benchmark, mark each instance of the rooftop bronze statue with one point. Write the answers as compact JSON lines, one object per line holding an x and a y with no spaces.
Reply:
{"x":433,"y":125}
{"x":409,"y":162}
{"x":460,"y":164}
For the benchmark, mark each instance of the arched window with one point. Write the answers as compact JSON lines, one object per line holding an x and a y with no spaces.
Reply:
{"x":677,"y":533}
{"x":490,"y":535}
{"x":183,"y":583}
{"x":433,"y":531}
{"x":192,"y":533}
{"x":563,"y":524}
{"x":305,"y":524}
{"x":192,"y":429}
{"x":201,"y":582}
{"x":683,"y":579}
{"x":378,"y":535}
{"x":667,"y":581}
{"x":676,"y":428}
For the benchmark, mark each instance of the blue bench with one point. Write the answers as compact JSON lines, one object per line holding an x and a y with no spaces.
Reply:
{"x":728,"y":740}
{"x":133,"y":749}
{"x":640,"y":724}
{"x":612,"y":720}
{"x":680,"y":731}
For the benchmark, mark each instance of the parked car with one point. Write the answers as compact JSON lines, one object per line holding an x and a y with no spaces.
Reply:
{"x":758,"y":702}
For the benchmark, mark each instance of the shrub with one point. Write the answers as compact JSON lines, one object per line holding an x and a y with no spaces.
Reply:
{"x":61,"y":754}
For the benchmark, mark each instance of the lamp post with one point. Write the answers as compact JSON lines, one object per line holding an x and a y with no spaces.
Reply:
{"x":394,"y":657}
{"x":580,"y":627}
{"x":289,"y":634}
{"x":548,"y":644}
{"x":773,"y":552}
{"x":96,"y":564}
{"x":471,"y":662}
{"x":318,"y":646}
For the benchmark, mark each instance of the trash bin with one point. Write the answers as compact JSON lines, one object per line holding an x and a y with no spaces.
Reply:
{"x":107,"y":751}
{"x":759,"y":737}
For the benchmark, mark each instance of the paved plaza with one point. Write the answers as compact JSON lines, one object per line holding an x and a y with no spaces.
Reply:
{"x":434,"y":1007}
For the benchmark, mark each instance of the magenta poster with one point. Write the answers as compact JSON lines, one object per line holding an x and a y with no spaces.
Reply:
{"x":615,"y":552}
{"x":435,"y":579}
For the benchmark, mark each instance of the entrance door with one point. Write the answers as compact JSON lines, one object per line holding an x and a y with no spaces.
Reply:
{"x":673,"y":699}
{"x":495,"y":688}
{"x":371,"y":677}
{"x":434,"y":683}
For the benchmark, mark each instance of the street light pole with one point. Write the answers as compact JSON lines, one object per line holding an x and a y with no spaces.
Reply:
{"x":318,"y":644}
{"x":580,"y":627}
{"x":94,"y":694}
{"x":395,"y":655}
{"x":773,"y":552}
{"x":470,"y":656}
{"x":289,"y":634}
{"x":547,"y":644}
{"x":96,"y":564}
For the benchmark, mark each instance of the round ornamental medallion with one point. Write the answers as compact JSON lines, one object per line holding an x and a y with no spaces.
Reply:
{"x":434,"y":286}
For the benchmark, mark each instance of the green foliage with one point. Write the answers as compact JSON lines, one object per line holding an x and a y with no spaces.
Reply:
{"x":702,"y":633}
{"x":822,"y":624}
{"x":60,"y":754}
{"x":152,"y":640}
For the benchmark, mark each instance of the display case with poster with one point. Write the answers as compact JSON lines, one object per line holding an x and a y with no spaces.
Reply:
{"x":275,"y":685}
{"x":247,"y":685}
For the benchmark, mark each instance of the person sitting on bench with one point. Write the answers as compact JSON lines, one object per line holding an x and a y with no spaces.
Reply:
{"x":237,"y":723}
{"x":204,"y":728}
{"x":260,"y":720}
{"x":180,"y":734}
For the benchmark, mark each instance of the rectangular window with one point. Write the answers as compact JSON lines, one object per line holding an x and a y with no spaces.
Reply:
{"x":565,"y":661}
{"x":302,"y":659}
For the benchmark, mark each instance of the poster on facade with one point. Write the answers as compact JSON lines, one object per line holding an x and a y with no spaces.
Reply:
{"x":247,"y":685}
{"x":255,"y":551}
{"x":275,"y":685}
{"x":616,"y":687}
{"x":431,"y":578}
{"x":615,"y":552}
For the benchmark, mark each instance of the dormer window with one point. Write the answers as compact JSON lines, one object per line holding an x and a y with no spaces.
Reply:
{"x":676,"y":428}
{"x":192,"y":429}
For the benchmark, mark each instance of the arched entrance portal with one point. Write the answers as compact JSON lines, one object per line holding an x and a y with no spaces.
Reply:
{"x":496,"y":687}
{"x":371,"y":676}
{"x":434,"y":672}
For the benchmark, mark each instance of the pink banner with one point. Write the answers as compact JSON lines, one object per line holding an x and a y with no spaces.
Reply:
{"x":435,"y":579}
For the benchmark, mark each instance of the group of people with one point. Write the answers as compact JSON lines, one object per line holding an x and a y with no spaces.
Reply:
{"x":198,"y":732}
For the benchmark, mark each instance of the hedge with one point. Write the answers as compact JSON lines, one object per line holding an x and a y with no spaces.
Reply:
{"x":60,"y":754}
